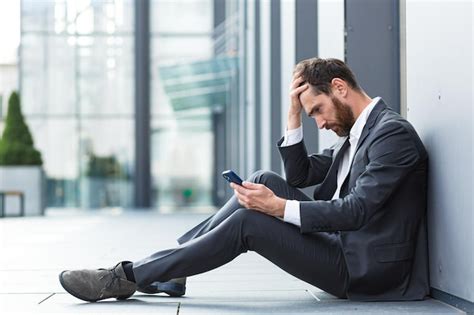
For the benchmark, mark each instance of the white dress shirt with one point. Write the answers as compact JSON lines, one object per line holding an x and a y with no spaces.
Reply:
{"x":293,"y":136}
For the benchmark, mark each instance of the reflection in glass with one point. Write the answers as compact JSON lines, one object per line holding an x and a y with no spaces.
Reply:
{"x":77,"y":89}
{"x":106,"y":159}
{"x":182,"y":135}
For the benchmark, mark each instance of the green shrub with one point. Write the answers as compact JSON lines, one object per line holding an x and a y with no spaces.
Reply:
{"x":16,"y":144}
{"x":103,"y":166}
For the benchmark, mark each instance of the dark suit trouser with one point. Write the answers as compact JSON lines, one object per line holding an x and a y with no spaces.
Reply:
{"x":233,"y":230}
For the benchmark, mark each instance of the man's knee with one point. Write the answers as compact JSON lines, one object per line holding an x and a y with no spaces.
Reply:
{"x":245,"y":219}
{"x":242,"y":215}
{"x":263,"y":177}
{"x":245,"y":223}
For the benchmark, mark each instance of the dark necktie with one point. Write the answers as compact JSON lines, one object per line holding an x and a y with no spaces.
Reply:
{"x":330,"y":183}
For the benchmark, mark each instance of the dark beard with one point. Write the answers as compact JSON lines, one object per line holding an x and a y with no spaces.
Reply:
{"x":345,"y":117}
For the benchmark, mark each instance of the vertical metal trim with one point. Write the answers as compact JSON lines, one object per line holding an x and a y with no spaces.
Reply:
{"x":306,"y":46}
{"x":396,"y":55}
{"x":275,"y":75}
{"x":242,"y":130}
{"x":258,"y":104}
{"x":403,"y":59}
{"x":219,"y":12}
{"x":218,"y":126}
{"x":265,"y":85}
{"x":142,"y":187}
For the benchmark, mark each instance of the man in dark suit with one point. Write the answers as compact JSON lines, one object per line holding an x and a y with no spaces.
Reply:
{"x":362,"y":236}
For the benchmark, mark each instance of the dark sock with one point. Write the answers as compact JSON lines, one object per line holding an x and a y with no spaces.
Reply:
{"x":128,"y":269}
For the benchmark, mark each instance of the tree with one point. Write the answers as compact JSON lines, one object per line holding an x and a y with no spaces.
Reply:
{"x":16,"y":144}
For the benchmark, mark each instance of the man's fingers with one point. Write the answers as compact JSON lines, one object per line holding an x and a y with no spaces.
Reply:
{"x":243,"y":193}
{"x":240,"y":189}
{"x":301,"y":88}
{"x":296,"y":83}
{"x":244,"y":201}
{"x":296,"y":92}
{"x":296,"y":74}
{"x":250,"y":185}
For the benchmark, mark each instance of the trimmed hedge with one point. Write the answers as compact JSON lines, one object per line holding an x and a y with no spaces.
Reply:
{"x":16,"y":144}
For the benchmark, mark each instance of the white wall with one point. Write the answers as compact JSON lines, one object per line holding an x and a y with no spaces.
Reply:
{"x":439,"y":79}
{"x":265,"y":83}
{"x":330,"y":45}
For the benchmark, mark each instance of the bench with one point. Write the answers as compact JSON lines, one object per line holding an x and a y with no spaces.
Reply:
{"x":20,"y":195}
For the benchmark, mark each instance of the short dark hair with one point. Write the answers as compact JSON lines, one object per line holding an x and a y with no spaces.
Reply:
{"x":320,"y":72}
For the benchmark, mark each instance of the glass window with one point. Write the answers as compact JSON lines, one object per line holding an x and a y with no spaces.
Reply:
{"x":181,"y":104}
{"x":77,"y":90}
{"x":47,"y":70}
{"x":105,"y":75}
{"x":56,"y":139}
{"x":106,"y":158}
{"x":181,"y":16}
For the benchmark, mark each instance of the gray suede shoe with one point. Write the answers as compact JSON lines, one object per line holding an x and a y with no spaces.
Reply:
{"x":174,"y":287}
{"x":99,"y":284}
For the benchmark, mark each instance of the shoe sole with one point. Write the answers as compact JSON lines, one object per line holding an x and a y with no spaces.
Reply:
{"x":172,"y":289}
{"x":72,"y":292}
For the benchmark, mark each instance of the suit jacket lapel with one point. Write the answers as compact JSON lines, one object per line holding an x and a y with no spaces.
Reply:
{"x":378,"y":108}
{"x":329,"y":184}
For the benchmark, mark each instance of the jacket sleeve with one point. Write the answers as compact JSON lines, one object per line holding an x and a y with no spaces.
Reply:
{"x":392,"y":155}
{"x":303,"y":170}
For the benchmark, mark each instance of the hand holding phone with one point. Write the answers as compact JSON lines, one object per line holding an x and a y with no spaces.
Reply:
{"x":231,"y":177}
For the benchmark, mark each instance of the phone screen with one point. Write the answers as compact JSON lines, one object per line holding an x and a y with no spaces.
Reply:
{"x":231,"y":177}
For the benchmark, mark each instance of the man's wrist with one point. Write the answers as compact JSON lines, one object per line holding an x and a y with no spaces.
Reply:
{"x":294,"y":120}
{"x":280,"y":207}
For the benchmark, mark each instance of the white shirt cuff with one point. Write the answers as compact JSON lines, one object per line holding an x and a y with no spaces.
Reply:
{"x":292,"y":136}
{"x":292,"y":212}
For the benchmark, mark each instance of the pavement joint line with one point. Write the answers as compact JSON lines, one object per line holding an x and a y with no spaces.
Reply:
{"x":30,"y":293}
{"x":46,"y":298}
{"x":26,"y":293}
{"x":244,"y":290}
{"x":313,"y":295}
{"x":451,"y":306}
{"x":177,"y":310}
{"x":30,"y":270}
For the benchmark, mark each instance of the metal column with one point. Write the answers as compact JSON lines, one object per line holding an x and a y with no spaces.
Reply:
{"x":373,"y":47}
{"x":275,"y":75}
{"x":306,"y":43}
{"x":142,"y":179}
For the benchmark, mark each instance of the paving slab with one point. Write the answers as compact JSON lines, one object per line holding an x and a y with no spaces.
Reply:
{"x":310,"y":307}
{"x":20,"y":303}
{"x":238,"y":296}
{"x":66,"y":304}
{"x":35,"y":250}
{"x":29,"y":281}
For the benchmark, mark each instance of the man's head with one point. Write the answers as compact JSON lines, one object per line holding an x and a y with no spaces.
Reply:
{"x":331,"y":98}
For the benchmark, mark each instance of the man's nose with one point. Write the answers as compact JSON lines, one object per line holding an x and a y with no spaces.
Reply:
{"x":320,"y":122}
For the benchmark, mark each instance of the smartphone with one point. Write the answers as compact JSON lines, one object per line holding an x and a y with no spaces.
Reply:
{"x":231,"y":177}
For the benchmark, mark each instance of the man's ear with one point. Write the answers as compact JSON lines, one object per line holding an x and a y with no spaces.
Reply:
{"x":339,"y":87}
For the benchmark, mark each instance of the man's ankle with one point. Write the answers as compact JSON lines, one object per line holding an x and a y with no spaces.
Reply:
{"x":128,"y":269}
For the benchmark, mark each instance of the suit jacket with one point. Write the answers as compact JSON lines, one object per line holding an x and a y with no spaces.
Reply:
{"x":380,"y":217}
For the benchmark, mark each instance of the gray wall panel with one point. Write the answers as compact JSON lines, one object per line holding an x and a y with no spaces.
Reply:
{"x":440,"y":105}
{"x":307,"y":47}
{"x":257,"y":96}
{"x":373,"y":47}
{"x":275,"y":77}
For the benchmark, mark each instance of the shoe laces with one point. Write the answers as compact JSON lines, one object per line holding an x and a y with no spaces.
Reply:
{"x":115,"y":279}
